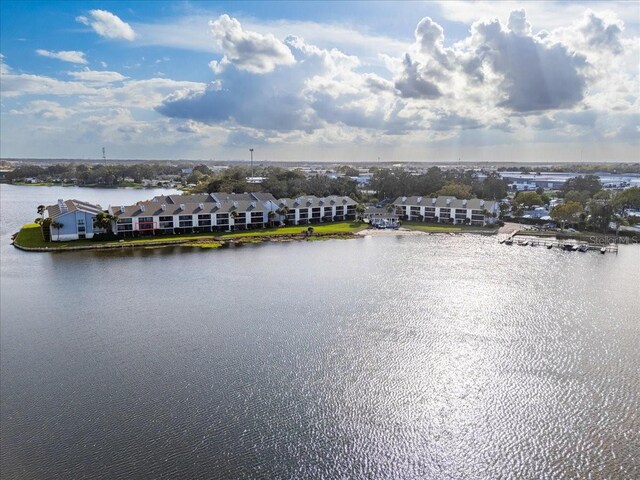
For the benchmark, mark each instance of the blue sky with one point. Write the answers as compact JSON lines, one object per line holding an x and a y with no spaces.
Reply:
{"x":321,"y":81}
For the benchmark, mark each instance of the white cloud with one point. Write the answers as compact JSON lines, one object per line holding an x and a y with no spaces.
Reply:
{"x":71,"y":56}
{"x":191,"y":33}
{"x":44,"y":109}
{"x":505,"y":83}
{"x":543,"y":15}
{"x":248,"y":50}
{"x":4,"y":68}
{"x":97,"y":77}
{"x":108,"y":25}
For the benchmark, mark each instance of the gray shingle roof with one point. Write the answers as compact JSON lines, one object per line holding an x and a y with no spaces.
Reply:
{"x":311,"y":201}
{"x":441,"y":201}
{"x":71,"y":206}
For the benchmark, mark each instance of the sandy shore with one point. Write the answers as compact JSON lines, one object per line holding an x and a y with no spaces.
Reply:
{"x":374,"y":232}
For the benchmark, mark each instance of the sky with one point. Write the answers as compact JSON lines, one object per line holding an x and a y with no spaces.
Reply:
{"x":411,"y":81}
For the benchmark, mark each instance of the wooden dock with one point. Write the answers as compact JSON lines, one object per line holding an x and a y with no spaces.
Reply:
{"x":555,"y":243}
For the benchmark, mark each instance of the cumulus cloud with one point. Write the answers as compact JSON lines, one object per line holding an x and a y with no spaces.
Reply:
{"x":600,"y":33}
{"x":71,"y":56}
{"x":536,"y":75}
{"x":108,"y":25}
{"x":505,"y":65}
{"x":95,"y":76}
{"x":247,"y":50}
{"x":321,"y":87}
{"x":44,"y":109}
{"x":413,"y":82}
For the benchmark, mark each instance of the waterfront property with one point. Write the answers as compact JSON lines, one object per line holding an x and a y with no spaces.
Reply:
{"x":220,"y":211}
{"x":194,"y":213}
{"x":446,"y":209}
{"x":312,"y":209}
{"x":72,"y":220}
{"x":179,"y":214}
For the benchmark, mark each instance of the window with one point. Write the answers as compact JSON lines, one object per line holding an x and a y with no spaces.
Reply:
{"x":125,"y":224}
{"x":81,"y":226}
{"x":166,"y":222}
{"x":185,"y":221}
{"x":145,"y":223}
{"x":204,"y":220}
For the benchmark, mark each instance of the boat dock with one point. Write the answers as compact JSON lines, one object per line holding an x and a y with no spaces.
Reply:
{"x":549,"y":243}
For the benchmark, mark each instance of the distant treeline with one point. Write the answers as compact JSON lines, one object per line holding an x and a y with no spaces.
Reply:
{"x":280,"y":182}
{"x":612,"y":168}
{"x":460,"y":183}
{"x":93,"y":174}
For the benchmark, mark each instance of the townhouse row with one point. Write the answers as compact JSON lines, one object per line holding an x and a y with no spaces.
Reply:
{"x":446,"y":209}
{"x":198,"y":213}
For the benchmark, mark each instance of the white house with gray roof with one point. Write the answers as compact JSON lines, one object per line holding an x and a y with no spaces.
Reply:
{"x":445,"y":209}
{"x":225,"y":211}
{"x":312,"y":209}
{"x":195,"y":213}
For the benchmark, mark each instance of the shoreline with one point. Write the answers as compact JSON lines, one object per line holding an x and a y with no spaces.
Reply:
{"x":204,"y":242}
{"x":213,"y":241}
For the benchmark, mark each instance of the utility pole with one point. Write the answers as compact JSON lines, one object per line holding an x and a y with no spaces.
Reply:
{"x":251,"y":150}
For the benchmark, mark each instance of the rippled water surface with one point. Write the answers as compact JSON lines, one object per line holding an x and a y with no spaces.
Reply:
{"x":398,"y":357}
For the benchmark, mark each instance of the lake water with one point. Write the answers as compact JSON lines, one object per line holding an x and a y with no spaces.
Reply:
{"x":393,"y":357}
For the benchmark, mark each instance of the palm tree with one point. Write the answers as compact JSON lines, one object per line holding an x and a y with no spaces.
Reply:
{"x":283,"y":211}
{"x":41,"y":210}
{"x":271,"y":215}
{"x":103,"y":220}
{"x":57,"y":225}
{"x":360,"y":209}
{"x":232,"y":215}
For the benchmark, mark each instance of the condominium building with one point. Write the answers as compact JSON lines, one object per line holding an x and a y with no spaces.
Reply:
{"x":445,"y":209}
{"x":220,"y":211}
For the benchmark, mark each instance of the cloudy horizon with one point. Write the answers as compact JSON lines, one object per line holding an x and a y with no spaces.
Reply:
{"x":415,"y":81}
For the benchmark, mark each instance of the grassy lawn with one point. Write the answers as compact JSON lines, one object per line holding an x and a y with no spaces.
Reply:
{"x":323,"y":228}
{"x":432,"y":228}
{"x":30,"y":236}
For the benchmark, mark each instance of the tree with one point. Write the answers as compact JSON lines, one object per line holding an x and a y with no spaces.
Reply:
{"x":195,"y":177}
{"x":41,"y":209}
{"x":283,"y":211}
{"x":600,"y":215}
{"x":590,"y":183}
{"x":103,"y":220}
{"x":57,"y":226}
{"x":528,"y":199}
{"x":629,"y":198}
{"x":494,"y":187}
{"x":567,"y":213}
{"x":272,"y":216}
{"x":233,"y":215}
{"x":581,"y":197}
{"x":457,"y":190}
{"x":360,"y":209}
